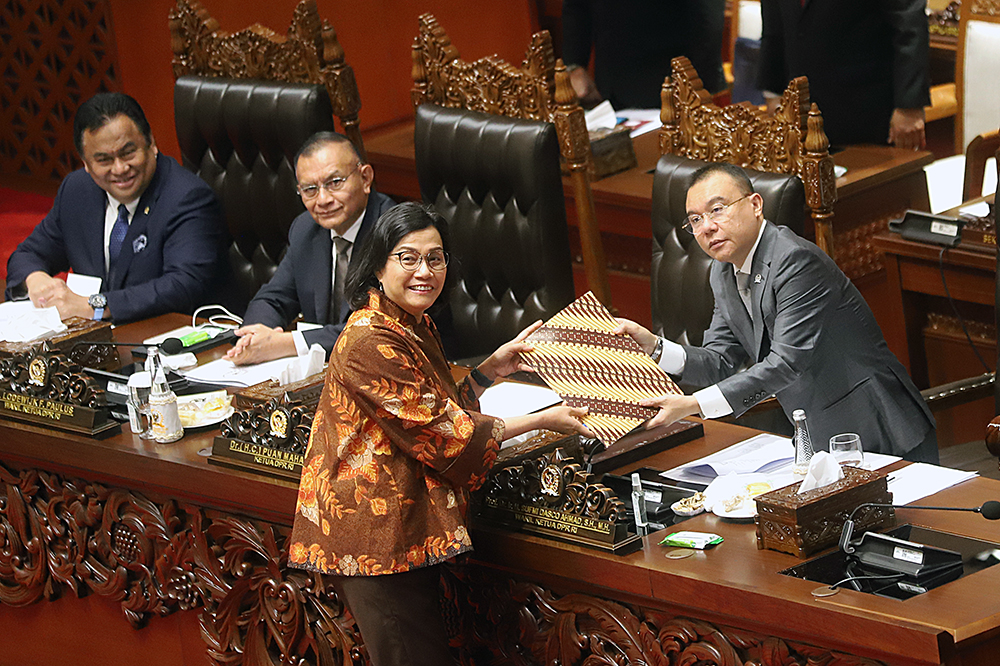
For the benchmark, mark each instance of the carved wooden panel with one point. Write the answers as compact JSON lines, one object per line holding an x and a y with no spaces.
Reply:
{"x":56,"y":54}
{"x":792,"y":141}
{"x":986,"y":7}
{"x":69,"y":536}
{"x":309,"y":53}
{"x":504,"y":621}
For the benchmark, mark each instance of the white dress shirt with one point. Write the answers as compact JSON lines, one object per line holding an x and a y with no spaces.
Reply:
{"x":711,"y":403}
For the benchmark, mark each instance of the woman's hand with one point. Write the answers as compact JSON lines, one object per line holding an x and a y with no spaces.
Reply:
{"x":565,"y":419}
{"x":506,"y":359}
{"x":560,"y":418}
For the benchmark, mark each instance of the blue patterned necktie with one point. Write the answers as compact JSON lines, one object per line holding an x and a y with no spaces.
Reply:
{"x":118,"y":234}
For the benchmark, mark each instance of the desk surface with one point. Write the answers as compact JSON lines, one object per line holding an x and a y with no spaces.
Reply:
{"x":733,"y":585}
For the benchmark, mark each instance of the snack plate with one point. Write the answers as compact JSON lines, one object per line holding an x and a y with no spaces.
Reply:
{"x":725,"y":489}
{"x":209,"y":419}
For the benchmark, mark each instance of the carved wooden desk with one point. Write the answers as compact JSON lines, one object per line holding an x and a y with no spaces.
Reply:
{"x":196,"y":554}
{"x":881,"y":182}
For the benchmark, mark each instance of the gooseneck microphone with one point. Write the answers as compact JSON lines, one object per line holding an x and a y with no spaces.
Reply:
{"x":990,"y":510}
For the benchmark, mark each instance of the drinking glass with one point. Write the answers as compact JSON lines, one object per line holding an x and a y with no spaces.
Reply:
{"x":846,"y":449}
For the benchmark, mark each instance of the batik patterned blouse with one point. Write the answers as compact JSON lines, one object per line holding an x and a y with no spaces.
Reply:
{"x":393,"y":452}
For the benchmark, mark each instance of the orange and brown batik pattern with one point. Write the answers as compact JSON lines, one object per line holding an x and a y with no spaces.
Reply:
{"x":393,"y":453}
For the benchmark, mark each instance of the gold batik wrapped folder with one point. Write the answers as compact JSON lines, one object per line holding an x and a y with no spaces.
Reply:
{"x":578,"y":355}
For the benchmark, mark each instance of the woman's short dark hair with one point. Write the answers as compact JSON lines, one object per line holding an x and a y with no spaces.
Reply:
{"x":101,"y":109}
{"x":392,"y":227}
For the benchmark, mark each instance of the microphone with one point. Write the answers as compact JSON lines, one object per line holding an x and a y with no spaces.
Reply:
{"x":990,"y":510}
{"x":178,"y":345}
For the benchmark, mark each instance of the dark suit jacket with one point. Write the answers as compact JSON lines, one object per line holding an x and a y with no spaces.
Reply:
{"x":635,"y":40}
{"x":303,"y":280}
{"x":813,"y":343}
{"x":863,"y":58}
{"x":171,"y":256}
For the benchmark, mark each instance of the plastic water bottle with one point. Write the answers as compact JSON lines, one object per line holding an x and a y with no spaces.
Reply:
{"x":802,"y":442}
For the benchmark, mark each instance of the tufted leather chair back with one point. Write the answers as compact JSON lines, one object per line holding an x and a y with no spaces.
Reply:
{"x":682,"y":297}
{"x":241,"y":137}
{"x":497,"y":182}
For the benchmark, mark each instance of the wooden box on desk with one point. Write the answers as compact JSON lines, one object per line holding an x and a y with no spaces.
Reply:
{"x":807,"y":523}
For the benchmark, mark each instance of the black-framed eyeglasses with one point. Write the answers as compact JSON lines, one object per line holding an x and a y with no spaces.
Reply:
{"x":718,"y":213}
{"x":436,"y":260}
{"x":331,"y":185}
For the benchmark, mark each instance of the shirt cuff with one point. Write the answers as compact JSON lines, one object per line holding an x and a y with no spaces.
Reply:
{"x":301,"y":348}
{"x":712,"y":403}
{"x":674,"y":358}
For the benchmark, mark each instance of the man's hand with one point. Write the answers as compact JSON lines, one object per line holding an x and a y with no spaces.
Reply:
{"x":906,"y":129}
{"x":258,"y":343}
{"x":49,"y":292}
{"x":641,"y":335}
{"x":672,"y":408}
{"x":583,"y":86}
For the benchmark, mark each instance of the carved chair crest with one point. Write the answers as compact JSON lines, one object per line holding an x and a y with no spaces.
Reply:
{"x":309,"y":53}
{"x":539,"y":90}
{"x":792,"y":141}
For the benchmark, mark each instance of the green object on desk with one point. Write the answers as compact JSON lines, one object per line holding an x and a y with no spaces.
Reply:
{"x":194,"y":337}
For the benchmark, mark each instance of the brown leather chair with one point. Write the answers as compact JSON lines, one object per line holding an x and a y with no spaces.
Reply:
{"x":241,"y":137}
{"x":241,"y":133}
{"x":539,"y":90}
{"x":497,"y":182}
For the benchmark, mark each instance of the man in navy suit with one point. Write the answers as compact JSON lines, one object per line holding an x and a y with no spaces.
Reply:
{"x":785,"y":312}
{"x":341,"y":207}
{"x":148,"y":228}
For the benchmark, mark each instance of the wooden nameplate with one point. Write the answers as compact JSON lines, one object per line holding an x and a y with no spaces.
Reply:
{"x":552,"y":496}
{"x":267,"y":439}
{"x":46,"y":388}
{"x":305,"y":391}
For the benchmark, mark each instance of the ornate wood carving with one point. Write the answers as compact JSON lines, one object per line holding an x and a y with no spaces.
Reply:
{"x":56,"y":54}
{"x":501,"y":620}
{"x":60,"y":535}
{"x":539,"y":90}
{"x":52,"y":376}
{"x":309,"y":53}
{"x":981,"y":332}
{"x":986,"y":7}
{"x":792,"y":141}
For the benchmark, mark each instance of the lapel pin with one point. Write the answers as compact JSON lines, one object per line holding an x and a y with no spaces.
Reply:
{"x":139,"y":244}
{"x":146,"y":211}
{"x":757,"y":278}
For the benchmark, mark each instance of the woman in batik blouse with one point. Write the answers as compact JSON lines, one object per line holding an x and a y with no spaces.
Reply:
{"x":396,"y":444}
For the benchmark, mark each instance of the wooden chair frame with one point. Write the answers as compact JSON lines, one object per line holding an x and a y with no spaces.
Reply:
{"x":309,"y":53}
{"x":980,"y":149}
{"x":791,"y":141}
{"x":539,"y":90}
{"x":971,"y":10}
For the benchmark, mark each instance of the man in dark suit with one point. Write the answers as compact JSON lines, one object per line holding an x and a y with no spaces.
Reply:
{"x":341,"y":207}
{"x":633,"y":43}
{"x":147,"y":227}
{"x":800,"y":327}
{"x":866,"y":61}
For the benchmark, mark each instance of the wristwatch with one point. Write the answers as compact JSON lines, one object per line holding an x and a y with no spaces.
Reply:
{"x":658,"y":351}
{"x":98,"y":302}
{"x":481,"y":379}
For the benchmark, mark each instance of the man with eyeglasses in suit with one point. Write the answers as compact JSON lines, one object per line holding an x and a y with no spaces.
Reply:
{"x":341,"y":207}
{"x":787,"y":314}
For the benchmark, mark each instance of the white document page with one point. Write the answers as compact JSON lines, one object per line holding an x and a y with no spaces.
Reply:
{"x":20,"y":321}
{"x":919,"y":480}
{"x":515,"y":399}
{"x":223,"y":372}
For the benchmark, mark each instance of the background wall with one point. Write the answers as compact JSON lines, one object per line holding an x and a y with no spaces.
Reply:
{"x":376,"y":36}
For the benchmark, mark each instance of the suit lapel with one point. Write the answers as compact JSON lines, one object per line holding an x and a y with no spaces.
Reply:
{"x":732,"y":305}
{"x":759,"y":274}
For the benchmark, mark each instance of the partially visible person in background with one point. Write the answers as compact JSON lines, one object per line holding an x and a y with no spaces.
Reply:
{"x":633,"y":43}
{"x":866,"y":60}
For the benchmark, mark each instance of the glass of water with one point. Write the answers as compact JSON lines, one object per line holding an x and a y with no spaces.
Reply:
{"x":846,"y":449}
